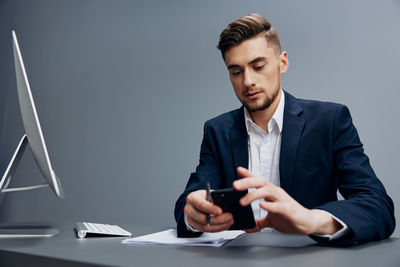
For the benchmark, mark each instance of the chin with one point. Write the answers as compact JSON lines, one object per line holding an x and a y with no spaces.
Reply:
{"x":254,"y":108}
{"x":257,"y":106}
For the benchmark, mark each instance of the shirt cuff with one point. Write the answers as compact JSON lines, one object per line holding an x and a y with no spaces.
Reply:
{"x":190,"y":228}
{"x":339,"y":233}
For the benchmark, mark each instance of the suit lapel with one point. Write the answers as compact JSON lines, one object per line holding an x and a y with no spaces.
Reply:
{"x":292,"y":129}
{"x":238,"y":137}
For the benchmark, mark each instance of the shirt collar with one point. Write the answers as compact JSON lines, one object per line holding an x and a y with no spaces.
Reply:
{"x":277,"y":117}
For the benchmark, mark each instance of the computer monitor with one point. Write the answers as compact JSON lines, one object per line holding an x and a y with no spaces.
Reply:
{"x":33,"y":137}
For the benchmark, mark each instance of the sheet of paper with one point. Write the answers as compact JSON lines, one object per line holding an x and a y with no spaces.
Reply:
{"x":169,"y":237}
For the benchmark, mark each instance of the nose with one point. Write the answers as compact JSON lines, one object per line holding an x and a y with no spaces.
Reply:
{"x":249,"y":80}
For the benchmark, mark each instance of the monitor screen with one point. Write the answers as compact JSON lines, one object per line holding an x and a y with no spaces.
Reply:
{"x":31,"y":122}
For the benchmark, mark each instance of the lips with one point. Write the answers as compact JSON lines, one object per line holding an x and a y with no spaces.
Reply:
{"x":253,"y":95}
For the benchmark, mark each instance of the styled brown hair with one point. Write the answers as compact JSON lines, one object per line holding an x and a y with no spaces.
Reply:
{"x":246,"y":28}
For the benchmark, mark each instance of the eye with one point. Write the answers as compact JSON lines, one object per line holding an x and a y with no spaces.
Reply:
{"x":235,"y":72}
{"x":259,"y":67}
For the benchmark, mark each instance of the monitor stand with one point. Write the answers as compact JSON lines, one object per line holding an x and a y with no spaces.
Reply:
{"x":13,"y":231}
{"x":12,"y":167}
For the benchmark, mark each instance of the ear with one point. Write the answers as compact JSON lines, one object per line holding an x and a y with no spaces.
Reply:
{"x":284,"y":62}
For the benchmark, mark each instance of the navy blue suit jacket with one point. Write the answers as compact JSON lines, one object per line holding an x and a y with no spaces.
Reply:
{"x":320,"y":154}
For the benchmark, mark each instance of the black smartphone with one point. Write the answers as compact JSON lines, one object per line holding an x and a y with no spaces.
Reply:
{"x":228,"y":200}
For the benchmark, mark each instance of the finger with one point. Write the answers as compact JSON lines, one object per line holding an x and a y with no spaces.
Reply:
{"x":249,"y":182}
{"x":198,"y":200}
{"x":252,"y":230}
{"x":194,"y":214}
{"x":244,"y":172}
{"x":201,"y":218}
{"x":209,"y":227}
{"x":264,"y":222}
{"x":272,"y":207}
{"x":267,"y":192}
{"x":221,"y":219}
{"x":257,"y":228}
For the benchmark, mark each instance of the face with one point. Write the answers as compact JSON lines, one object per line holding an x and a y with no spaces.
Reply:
{"x":255,"y":70}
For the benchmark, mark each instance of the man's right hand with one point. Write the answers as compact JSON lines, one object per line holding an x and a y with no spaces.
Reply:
{"x":196,"y":209}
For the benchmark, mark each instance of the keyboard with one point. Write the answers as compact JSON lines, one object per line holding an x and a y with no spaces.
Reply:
{"x":84,"y":229}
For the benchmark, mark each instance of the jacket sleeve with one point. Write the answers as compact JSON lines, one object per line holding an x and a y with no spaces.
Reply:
{"x":366,"y":209}
{"x":209,"y":170}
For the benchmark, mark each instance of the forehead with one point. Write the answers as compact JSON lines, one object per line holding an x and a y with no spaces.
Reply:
{"x":248,"y":50}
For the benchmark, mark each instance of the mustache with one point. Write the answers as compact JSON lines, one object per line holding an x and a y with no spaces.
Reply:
{"x":251,"y":91}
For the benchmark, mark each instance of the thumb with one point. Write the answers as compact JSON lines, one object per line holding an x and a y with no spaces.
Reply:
{"x":244,"y":172}
{"x":264,"y":222}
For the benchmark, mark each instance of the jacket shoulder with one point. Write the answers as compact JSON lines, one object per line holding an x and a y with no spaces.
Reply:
{"x":321,"y":109}
{"x":225,"y":120}
{"x":317,"y":105}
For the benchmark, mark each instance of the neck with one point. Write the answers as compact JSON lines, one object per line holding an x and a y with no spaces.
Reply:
{"x":262,"y":117}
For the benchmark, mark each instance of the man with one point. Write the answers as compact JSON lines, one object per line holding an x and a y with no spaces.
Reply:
{"x":292,"y":154}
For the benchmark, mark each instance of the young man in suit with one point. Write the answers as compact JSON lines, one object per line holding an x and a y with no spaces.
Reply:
{"x":291,"y":154}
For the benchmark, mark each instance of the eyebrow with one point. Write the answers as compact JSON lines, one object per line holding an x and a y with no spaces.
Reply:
{"x":257,"y":59}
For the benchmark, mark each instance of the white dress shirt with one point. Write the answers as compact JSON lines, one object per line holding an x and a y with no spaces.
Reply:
{"x":264,"y":150}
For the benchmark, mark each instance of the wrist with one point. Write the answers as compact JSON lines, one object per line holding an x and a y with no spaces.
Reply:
{"x":324,"y":223}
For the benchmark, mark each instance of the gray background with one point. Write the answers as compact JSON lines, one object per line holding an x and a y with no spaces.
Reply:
{"x":123,"y":88}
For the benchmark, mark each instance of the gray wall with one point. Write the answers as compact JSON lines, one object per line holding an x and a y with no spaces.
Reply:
{"x":123,"y":89}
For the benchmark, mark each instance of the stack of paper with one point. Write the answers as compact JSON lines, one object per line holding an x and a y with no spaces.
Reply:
{"x":169,"y":237}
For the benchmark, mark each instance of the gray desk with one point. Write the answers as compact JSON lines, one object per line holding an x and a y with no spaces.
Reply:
{"x":260,"y":249}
